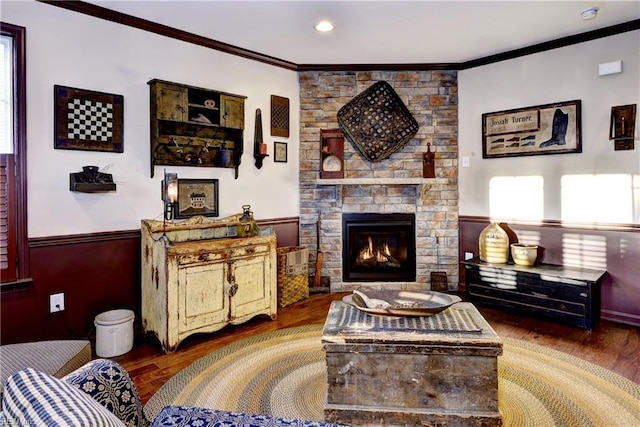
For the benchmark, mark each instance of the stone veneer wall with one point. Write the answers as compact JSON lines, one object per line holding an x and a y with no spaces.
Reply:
{"x":395,"y":183}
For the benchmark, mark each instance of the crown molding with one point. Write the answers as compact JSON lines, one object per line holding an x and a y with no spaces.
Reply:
{"x":554,"y":44}
{"x":164,"y":30}
{"x":442,"y":66}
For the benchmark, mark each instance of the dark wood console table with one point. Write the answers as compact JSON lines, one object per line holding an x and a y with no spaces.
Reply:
{"x":567,"y":294}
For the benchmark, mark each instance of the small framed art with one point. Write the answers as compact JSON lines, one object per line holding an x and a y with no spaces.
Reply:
{"x":87,"y":120}
{"x":280,"y":152}
{"x":197,"y":197}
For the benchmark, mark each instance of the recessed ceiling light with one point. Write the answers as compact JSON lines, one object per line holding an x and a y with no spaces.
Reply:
{"x":324,"y":26}
{"x":590,"y":13}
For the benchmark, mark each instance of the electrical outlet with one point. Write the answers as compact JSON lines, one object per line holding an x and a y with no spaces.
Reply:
{"x":56,"y":303}
{"x":468,"y":255}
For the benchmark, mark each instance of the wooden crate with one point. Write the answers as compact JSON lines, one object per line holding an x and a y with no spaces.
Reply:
{"x":413,"y":371}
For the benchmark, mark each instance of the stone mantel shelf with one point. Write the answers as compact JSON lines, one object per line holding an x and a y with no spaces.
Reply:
{"x":382,"y":181}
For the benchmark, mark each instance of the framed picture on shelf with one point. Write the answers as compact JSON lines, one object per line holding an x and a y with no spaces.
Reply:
{"x":87,"y":120}
{"x":541,"y":129}
{"x":197,"y":197}
{"x":280,"y":152}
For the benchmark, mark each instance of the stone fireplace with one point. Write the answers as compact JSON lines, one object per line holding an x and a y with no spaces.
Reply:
{"x":378,"y":247}
{"x":393,"y":185}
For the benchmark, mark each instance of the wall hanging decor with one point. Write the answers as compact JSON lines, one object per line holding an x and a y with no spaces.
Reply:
{"x":91,"y":180}
{"x":197,"y":197}
{"x":87,"y":120}
{"x":280,"y":152}
{"x":279,"y":116}
{"x":623,"y":126}
{"x":428,"y":163}
{"x":259,"y":147}
{"x":192,"y":126}
{"x":377,"y":122}
{"x":542,"y":129}
{"x":331,"y":153}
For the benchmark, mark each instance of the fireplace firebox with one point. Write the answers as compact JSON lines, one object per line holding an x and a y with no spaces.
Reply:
{"x":378,"y":247}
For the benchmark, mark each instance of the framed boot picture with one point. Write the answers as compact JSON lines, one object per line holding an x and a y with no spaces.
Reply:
{"x":542,"y":129}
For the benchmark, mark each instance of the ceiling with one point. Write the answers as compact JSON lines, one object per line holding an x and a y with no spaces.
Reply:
{"x":379,"y":32}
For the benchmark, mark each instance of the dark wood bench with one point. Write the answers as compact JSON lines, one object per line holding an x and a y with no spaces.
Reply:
{"x":567,"y":294}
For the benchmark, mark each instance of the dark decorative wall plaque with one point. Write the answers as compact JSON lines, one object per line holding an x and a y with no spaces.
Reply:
{"x":279,"y":116}
{"x":377,"y":122}
{"x":623,"y":126}
{"x":88,"y":120}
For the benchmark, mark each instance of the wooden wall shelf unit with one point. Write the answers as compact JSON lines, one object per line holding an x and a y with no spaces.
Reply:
{"x":192,"y":126}
{"x":331,"y":153}
{"x":194,"y":282}
{"x":567,"y":294}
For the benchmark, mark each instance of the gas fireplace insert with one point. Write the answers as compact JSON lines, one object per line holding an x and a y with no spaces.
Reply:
{"x":378,"y":247}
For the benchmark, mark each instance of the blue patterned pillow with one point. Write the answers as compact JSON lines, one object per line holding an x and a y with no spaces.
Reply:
{"x":185,"y":416}
{"x":109,"y":384}
{"x":32,"y":398}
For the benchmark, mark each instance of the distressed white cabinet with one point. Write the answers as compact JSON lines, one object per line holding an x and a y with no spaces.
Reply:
{"x":194,"y":281}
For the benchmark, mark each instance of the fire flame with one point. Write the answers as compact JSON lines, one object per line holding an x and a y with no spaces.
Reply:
{"x":380,"y":256}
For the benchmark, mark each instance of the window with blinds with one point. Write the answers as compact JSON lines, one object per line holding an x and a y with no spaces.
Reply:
{"x":7,"y":237}
{"x":6,"y":90}
{"x":7,"y":219}
{"x":13,"y":240}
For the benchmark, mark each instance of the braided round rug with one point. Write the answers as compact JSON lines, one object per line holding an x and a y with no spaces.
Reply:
{"x":282,"y":373}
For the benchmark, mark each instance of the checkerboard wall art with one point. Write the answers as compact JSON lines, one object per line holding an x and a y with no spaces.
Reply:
{"x":88,"y":120}
{"x":279,"y":116}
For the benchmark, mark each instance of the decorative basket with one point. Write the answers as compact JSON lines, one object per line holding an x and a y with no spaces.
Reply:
{"x":377,"y":122}
{"x":293,"y":274}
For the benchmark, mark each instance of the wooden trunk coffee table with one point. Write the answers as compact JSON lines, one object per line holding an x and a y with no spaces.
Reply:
{"x":386,"y":370}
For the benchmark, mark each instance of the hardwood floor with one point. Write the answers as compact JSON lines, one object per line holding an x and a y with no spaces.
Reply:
{"x":613,"y":346}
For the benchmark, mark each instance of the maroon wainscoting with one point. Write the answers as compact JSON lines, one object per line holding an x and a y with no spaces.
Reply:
{"x":96,"y":272}
{"x":287,"y":229}
{"x":615,"y":248}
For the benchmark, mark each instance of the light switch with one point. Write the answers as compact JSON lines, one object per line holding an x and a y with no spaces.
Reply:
{"x":465,"y":162}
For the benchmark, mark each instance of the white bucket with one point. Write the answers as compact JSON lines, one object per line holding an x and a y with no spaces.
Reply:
{"x":114,"y":333}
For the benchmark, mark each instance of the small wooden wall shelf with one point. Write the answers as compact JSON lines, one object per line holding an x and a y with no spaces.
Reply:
{"x":331,"y":153}
{"x":192,"y":126}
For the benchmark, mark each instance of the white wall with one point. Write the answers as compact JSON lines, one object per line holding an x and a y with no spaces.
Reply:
{"x":558,"y":75}
{"x":71,"y":49}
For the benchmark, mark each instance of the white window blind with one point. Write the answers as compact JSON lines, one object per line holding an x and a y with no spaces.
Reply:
{"x":6,"y":90}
